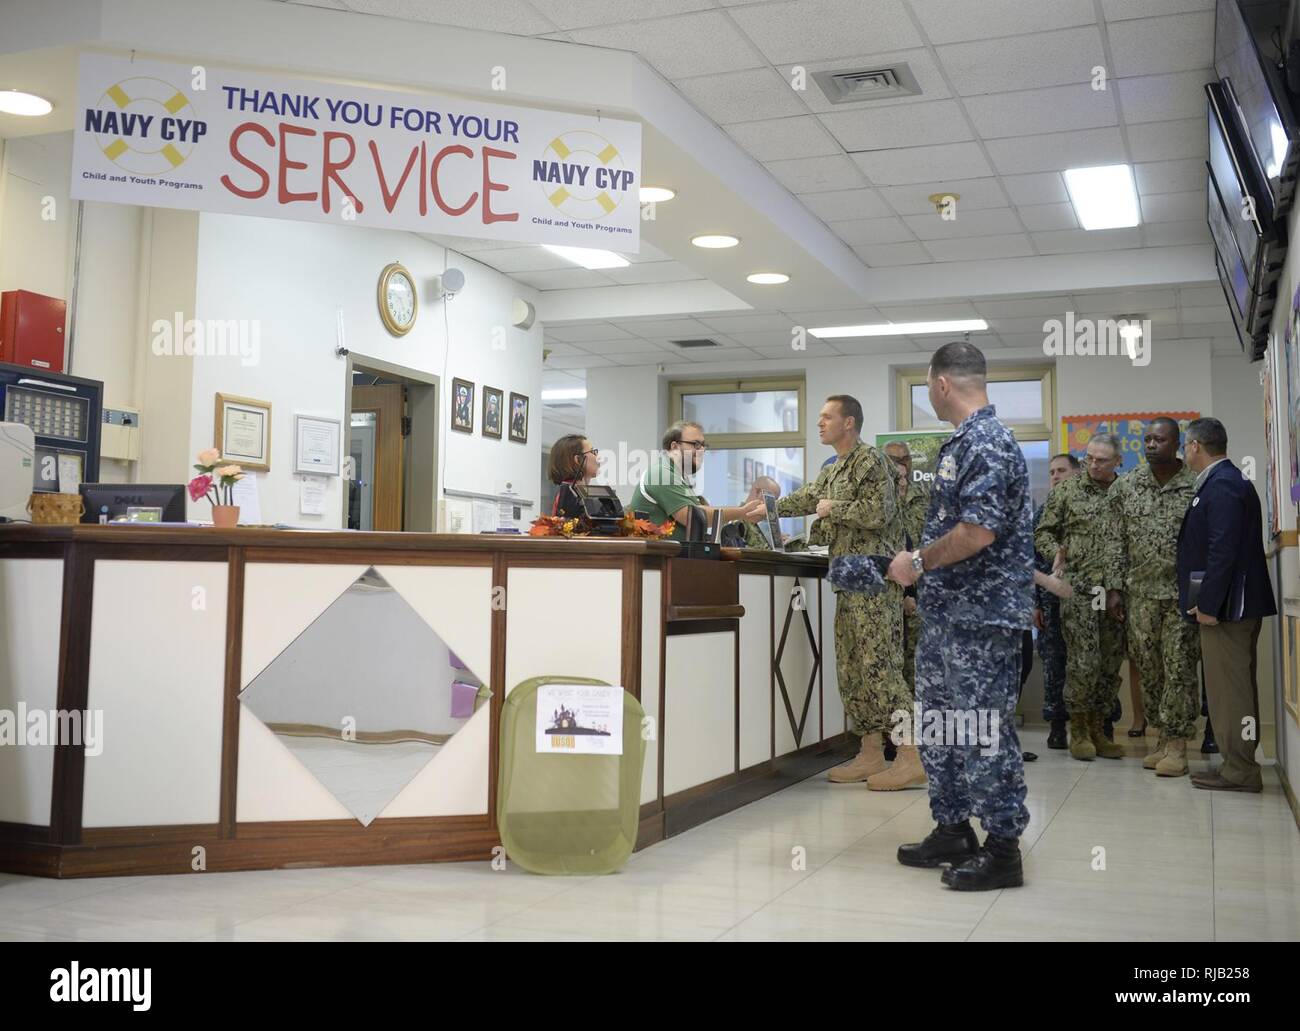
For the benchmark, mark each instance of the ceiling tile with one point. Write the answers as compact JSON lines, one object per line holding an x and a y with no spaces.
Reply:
{"x":918,"y":164}
{"x":689,"y":44}
{"x":1117,"y":301}
{"x":813,"y":30}
{"x":1021,"y":307}
{"x":1170,"y":176}
{"x":1057,"y":150}
{"x":951,"y":21}
{"x":1015,"y":245}
{"x":1015,"y":63}
{"x":928,"y":312}
{"x":816,"y":175}
{"x":910,"y":125}
{"x":674,"y":329}
{"x":1043,"y":217}
{"x":580,"y":14}
{"x":1027,"y":325}
{"x":522,"y":259}
{"x":764,"y":338}
{"x":1119,"y":10}
{"x":1036,"y":188}
{"x":861,"y":231}
{"x":1054,"y":109}
{"x":1022,"y":340}
{"x":987,"y":222}
{"x":845,"y":204}
{"x":513,"y":16}
{"x":890,"y":254}
{"x":577,"y":334}
{"x":643,"y":358}
{"x":1148,"y":46}
{"x":732,"y":324}
{"x":812,"y":349}
{"x":1199,"y":296}
{"x":1210,"y":315}
{"x":921,"y":63}
{"x":875,"y":345}
{"x":1069,"y":241}
{"x":1161,"y":98}
{"x":971,"y":194}
{"x":742,"y":96}
{"x":1173,"y":207}
{"x":621,"y":345}
{"x":775,"y":138}
{"x":652,"y":272}
{"x":576,"y":361}
{"x":1177,"y":234}
{"x":1164,"y":141}
{"x":559,"y":349}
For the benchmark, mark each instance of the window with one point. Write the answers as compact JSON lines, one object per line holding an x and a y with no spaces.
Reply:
{"x":754,"y":428}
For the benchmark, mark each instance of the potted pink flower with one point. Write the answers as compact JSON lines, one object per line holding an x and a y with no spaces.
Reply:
{"x":216,"y":481}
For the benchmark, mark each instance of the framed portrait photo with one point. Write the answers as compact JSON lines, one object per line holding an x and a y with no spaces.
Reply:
{"x":462,"y":405}
{"x":243,"y":431}
{"x":519,"y":417}
{"x":494,"y":405}
{"x":749,"y":472}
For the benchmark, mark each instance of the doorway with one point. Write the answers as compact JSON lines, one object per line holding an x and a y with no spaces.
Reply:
{"x":393,"y":447}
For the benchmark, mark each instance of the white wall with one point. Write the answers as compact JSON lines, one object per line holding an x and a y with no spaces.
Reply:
{"x":291,"y":278}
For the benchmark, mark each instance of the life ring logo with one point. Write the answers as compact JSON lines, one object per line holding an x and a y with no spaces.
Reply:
{"x":583,"y":175}
{"x":145,"y":125}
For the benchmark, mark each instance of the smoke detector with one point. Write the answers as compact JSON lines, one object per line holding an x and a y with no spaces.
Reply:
{"x":854,"y":86}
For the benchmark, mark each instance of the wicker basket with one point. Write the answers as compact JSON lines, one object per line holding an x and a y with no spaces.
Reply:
{"x":56,"y":509}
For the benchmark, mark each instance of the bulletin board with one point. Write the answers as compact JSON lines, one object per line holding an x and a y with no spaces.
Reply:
{"x":1129,"y":427}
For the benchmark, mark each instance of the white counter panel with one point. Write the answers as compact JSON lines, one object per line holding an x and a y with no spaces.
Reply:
{"x":31,"y":600}
{"x":273,"y":785}
{"x":700,"y":709}
{"x":281,"y":599}
{"x":755,"y":670}
{"x":651,"y":597}
{"x":457,"y":602}
{"x":564,"y":622}
{"x":157,"y":668}
{"x":795,"y":664}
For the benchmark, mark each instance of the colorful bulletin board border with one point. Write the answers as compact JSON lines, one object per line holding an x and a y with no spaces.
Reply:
{"x":1130,"y":427}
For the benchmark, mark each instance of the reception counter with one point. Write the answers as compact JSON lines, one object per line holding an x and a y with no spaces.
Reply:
{"x":201,"y":662}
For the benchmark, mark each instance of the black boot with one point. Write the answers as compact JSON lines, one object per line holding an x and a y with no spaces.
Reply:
{"x":996,"y":866}
{"x":947,"y":843}
{"x":1108,"y":730}
{"x":1056,"y":739}
{"x":1208,"y":745}
{"x":891,"y":749}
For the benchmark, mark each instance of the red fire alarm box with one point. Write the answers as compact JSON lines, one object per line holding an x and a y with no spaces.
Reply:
{"x":31,"y":330}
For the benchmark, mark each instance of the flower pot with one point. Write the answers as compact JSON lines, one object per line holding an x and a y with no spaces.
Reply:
{"x":225,"y":515}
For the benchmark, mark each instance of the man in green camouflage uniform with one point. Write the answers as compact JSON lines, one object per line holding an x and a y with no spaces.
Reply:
{"x":914,"y":500}
{"x":1077,"y":534}
{"x":856,"y":503}
{"x":1149,"y":505}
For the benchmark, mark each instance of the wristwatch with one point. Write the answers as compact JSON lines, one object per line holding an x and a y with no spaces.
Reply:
{"x":918,"y":567}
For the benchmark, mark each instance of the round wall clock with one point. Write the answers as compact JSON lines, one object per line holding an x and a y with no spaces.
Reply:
{"x":398,"y":303}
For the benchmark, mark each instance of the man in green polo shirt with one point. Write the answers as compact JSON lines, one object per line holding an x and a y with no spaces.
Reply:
{"x":667,"y":489}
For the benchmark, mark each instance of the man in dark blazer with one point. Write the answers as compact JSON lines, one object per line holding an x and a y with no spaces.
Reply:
{"x":1220,"y":544}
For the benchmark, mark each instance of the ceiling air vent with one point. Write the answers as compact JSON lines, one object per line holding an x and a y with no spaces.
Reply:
{"x":694,"y":343}
{"x":867,"y":84}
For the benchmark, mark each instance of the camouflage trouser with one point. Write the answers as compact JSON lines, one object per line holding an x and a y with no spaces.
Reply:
{"x":1165,"y":648}
{"x":964,"y":670}
{"x":911,"y":638}
{"x":1051,"y":652}
{"x":1094,"y":650}
{"x":869,"y":658}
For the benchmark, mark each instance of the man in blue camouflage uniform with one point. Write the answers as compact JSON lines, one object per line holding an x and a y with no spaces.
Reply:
{"x":1051,"y":643}
{"x":975,"y":574}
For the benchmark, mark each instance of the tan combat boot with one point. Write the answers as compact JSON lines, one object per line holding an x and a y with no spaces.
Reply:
{"x":1081,"y":746}
{"x":1105,"y":747}
{"x":907,"y":772}
{"x":1150,"y":762}
{"x":1174,"y":763}
{"x":869,"y":760}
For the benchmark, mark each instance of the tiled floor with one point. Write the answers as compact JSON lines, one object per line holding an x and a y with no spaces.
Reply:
{"x":813,"y":862}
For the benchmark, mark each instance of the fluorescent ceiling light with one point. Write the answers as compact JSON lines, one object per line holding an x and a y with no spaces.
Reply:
{"x":1103,"y":197}
{"x":768,"y":278}
{"x":589,"y":257}
{"x":715,"y":240}
{"x":1131,"y":332}
{"x":571,"y":394}
{"x":896,"y":329}
{"x":15,"y":102}
{"x":656,"y":194}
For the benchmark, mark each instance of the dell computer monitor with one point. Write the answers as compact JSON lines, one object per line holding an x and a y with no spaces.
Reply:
{"x":113,"y":499}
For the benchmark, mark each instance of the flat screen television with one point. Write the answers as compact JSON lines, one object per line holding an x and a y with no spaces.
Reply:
{"x":1227,"y":287}
{"x":1246,"y":61}
{"x":1239,"y":184}
{"x":1229,"y":253}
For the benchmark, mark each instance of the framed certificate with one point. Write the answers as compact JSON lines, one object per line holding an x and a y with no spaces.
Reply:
{"x":243,"y":431}
{"x":316,"y":445}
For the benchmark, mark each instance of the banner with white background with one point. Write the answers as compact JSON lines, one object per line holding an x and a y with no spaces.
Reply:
{"x":209,"y":139}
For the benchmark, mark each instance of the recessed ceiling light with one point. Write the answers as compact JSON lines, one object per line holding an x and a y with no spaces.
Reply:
{"x":715,"y":240}
{"x":15,"y":102}
{"x":892,"y":329}
{"x":1103,"y":196}
{"x":768,"y":278}
{"x":656,"y":194}
{"x":589,"y":257}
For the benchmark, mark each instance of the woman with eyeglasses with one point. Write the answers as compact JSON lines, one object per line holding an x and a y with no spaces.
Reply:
{"x":573,"y":461}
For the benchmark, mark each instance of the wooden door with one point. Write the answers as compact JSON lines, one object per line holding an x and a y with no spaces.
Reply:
{"x":385,"y":402}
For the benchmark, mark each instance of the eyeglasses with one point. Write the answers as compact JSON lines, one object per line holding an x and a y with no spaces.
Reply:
{"x":698,"y":445}
{"x":593,"y":451}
